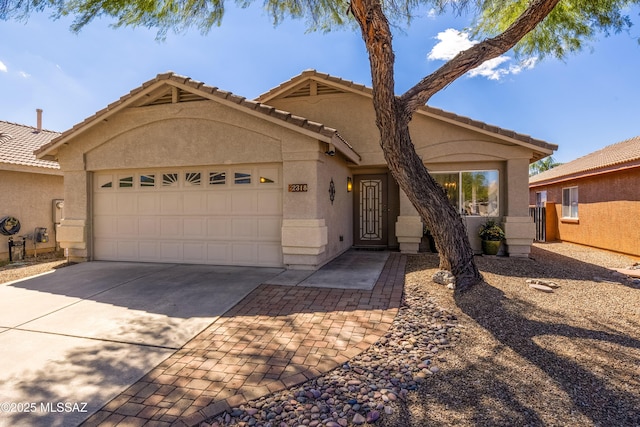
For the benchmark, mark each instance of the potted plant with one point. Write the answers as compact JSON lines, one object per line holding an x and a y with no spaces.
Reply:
{"x":491,"y":235}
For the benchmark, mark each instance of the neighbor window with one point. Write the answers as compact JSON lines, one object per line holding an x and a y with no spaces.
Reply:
{"x":472,"y":193}
{"x":570,"y":202}
{"x":541,"y":198}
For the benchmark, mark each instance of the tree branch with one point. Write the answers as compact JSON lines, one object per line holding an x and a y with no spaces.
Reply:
{"x":471,"y":58}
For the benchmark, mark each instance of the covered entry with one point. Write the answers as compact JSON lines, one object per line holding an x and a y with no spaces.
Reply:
{"x":375,"y":201}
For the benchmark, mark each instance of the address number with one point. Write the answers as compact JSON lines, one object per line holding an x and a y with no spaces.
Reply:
{"x":298,"y":188}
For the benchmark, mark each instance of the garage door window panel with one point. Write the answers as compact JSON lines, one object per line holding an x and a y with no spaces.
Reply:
{"x":268,"y":176}
{"x":125,"y":182}
{"x":169,"y":179}
{"x":147,"y":181}
{"x":217,"y":178}
{"x":243,"y":177}
{"x":192,"y":179}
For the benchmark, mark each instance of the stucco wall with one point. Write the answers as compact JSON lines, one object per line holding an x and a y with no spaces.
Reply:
{"x":608,"y":211}
{"x":442,"y":145}
{"x":28,"y":197}
{"x":199,"y":134}
{"x":338,"y":214}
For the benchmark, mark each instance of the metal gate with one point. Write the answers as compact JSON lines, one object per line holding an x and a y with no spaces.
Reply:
{"x":539,"y":215}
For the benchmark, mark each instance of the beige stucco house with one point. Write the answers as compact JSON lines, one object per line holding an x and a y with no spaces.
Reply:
{"x":179,"y":171}
{"x":30,"y":187}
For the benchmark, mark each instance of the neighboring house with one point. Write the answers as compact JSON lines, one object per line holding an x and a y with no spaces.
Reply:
{"x":28,"y":185}
{"x":594,"y":200}
{"x":179,"y":171}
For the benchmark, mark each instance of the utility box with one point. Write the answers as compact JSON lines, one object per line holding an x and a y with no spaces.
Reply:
{"x":17,"y":250}
{"x":40,"y":235}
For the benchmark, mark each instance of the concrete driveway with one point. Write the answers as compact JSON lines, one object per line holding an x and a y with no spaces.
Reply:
{"x":73,"y":339}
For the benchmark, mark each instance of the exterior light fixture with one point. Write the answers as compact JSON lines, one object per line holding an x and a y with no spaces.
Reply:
{"x":349,"y":184}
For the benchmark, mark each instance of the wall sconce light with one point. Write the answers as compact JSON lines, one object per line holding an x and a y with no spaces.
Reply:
{"x":349,"y":184}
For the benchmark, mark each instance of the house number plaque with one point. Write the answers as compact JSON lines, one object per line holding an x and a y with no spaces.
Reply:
{"x":298,"y":188}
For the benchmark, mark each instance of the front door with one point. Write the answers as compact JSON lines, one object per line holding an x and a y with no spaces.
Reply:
{"x":370,"y":210}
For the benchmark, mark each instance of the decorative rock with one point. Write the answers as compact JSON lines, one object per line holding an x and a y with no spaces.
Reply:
{"x":443,"y":277}
{"x":373,"y":416}
{"x":362,"y":389}
{"x":542,"y":288}
{"x":358,"y":419}
{"x":547,"y":283}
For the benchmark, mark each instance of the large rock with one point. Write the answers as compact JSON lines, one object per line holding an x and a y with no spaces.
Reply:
{"x":444,"y":277}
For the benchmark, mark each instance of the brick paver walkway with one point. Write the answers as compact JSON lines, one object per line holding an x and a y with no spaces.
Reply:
{"x":275,"y":338}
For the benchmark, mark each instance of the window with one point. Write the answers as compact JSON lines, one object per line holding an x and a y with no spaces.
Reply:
{"x":541,"y":198}
{"x":451,"y":184}
{"x":169,"y":179}
{"x":147,"y":180}
{"x":192,"y":178}
{"x":126,"y":182}
{"x":242,"y":178}
{"x":217,"y":178}
{"x":472,"y":193}
{"x":570,"y":202}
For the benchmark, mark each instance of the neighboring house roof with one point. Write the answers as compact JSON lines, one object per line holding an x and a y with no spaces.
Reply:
{"x":618,"y":156}
{"x":169,"y":88}
{"x":300,"y":86}
{"x":17,"y":146}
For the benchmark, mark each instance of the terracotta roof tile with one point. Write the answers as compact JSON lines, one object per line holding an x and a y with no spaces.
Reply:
{"x":18,"y":142}
{"x":613,"y":156}
{"x":203,"y":88}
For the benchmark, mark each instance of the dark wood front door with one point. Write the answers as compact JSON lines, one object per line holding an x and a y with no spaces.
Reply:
{"x":370,"y":214}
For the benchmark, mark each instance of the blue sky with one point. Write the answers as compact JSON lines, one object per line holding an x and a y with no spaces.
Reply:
{"x":583,"y":104}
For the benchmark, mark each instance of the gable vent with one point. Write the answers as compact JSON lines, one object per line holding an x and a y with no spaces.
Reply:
{"x":320,"y":89}
{"x":183,"y":96}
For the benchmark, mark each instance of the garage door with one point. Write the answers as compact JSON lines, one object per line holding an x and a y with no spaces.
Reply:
{"x":207,"y":215}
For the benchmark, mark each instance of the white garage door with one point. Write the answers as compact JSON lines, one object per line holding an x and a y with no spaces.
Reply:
{"x":207,"y":215}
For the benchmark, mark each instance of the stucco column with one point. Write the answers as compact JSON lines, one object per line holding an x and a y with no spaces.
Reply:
{"x":72,"y":231}
{"x":518,"y":225}
{"x":304,"y":231}
{"x":408,"y":226}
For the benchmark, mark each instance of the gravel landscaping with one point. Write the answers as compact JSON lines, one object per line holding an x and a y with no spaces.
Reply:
{"x":501,"y":354}
{"x":30,"y":266}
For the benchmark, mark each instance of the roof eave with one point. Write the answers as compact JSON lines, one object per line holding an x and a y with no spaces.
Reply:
{"x":12,"y":167}
{"x":587,"y":173}
{"x":540,"y":148}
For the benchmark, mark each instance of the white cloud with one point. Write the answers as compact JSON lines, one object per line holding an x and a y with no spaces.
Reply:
{"x":3,"y":67}
{"x":490,"y":69}
{"x":432,"y":13}
{"x":451,"y":42}
{"x":527,"y":64}
{"x":24,"y":74}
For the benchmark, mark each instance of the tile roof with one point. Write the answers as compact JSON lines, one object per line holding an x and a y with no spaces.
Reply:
{"x":432,"y":111}
{"x":18,"y":143}
{"x":205,"y":90}
{"x":611,"y":157}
